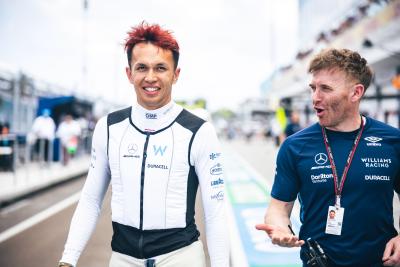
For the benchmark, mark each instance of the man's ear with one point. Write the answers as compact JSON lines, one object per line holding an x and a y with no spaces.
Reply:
{"x":128,"y":73}
{"x":358,"y":91}
{"x":176,"y":74}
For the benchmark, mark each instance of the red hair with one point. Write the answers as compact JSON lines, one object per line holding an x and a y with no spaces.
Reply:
{"x":154,"y":34}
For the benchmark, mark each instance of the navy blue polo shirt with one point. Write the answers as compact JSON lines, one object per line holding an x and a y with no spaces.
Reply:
{"x":303,"y":171}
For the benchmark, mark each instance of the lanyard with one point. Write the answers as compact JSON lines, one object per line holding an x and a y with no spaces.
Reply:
{"x":339,"y":183}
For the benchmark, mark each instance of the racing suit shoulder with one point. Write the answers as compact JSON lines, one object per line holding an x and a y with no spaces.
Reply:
{"x":119,"y":115}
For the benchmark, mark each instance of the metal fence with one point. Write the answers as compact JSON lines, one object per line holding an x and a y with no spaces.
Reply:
{"x":16,"y":151}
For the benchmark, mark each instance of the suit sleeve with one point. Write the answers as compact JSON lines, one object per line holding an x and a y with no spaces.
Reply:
{"x":87,"y":212}
{"x":206,"y":156}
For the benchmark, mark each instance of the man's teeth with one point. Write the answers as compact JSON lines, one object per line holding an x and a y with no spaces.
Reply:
{"x":151,"y":89}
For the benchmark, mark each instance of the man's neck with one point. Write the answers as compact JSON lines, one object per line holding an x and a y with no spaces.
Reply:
{"x":160,"y":111}
{"x":349,"y":125}
{"x":154,"y":120}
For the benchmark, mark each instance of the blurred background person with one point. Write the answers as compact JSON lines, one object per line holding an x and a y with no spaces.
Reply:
{"x":42,"y":134}
{"x":276,"y":131}
{"x":69,"y":131}
{"x":6,"y":148}
{"x":294,"y":124}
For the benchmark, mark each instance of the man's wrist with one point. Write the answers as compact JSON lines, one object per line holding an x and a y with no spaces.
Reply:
{"x":64,"y":264}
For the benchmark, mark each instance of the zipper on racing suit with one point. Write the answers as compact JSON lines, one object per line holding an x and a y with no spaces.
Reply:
{"x":142,"y":175}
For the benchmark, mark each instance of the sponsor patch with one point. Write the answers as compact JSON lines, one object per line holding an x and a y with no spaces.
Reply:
{"x":131,"y":151}
{"x":216,"y":169}
{"x":217,"y":182}
{"x":157,"y":166}
{"x":321,"y":158}
{"x":218,"y":196}
{"x":376,"y":162}
{"x":159,"y":150}
{"x":373,"y":141}
{"x":377,"y":178}
{"x":151,"y":116}
{"x":214,"y":155}
{"x":321,"y":178}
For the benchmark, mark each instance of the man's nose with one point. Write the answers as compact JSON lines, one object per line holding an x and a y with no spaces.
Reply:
{"x":150,"y":76}
{"x":316,"y":95}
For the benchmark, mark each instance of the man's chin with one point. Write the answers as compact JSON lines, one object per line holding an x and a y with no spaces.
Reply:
{"x":323,"y":123}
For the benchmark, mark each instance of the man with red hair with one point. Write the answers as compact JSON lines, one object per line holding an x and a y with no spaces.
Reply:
{"x":154,"y":154}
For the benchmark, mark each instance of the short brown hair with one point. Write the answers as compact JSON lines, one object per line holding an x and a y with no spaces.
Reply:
{"x":345,"y":60}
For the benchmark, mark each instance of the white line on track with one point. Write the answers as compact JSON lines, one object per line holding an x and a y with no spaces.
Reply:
{"x":41,"y":216}
{"x":14,"y":207}
{"x":238,"y":257}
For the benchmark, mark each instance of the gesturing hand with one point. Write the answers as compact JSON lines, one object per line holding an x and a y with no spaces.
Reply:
{"x":280,"y":236}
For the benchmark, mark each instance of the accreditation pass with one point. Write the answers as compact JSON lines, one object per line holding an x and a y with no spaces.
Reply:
{"x":334,"y":220}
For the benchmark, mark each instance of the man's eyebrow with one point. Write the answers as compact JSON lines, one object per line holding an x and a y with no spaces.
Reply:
{"x":326,"y":85}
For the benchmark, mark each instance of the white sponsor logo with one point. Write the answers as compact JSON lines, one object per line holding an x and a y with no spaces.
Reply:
{"x":376,"y":162}
{"x":373,"y":141}
{"x":321,"y":158}
{"x":321,"y":167}
{"x":321,"y":178}
{"x":377,"y":177}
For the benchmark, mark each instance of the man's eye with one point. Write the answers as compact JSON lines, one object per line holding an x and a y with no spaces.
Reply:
{"x":161,"y":68}
{"x":325,"y":88}
{"x":140,"y":68}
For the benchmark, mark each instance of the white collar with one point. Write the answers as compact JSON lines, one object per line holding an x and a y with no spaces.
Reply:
{"x":154,"y":120}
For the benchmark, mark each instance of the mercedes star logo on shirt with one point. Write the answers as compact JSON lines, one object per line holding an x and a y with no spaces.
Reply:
{"x":132,"y":148}
{"x":321,"y":158}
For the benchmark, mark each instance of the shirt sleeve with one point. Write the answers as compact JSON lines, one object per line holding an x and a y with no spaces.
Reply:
{"x":286,"y":183}
{"x":207,"y":158}
{"x":87,"y":212}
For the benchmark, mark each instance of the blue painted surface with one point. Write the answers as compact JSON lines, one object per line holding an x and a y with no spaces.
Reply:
{"x":249,"y":199}
{"x":258,"y":247}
